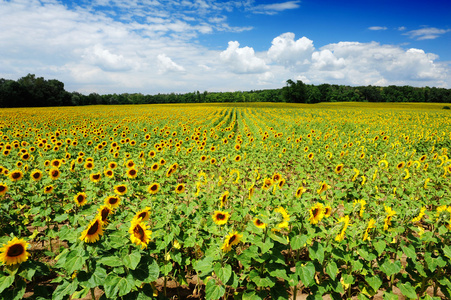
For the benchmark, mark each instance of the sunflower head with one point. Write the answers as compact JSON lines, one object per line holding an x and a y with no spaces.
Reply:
{"x":142,"y":215}
{"x":54,"y":173}
{"x":140,"y":234}
{"x":316,"y":213}
{"x":48,"y":189}
{"x":120,"y":189}
{"x":112,"y":201}
{"x":14,"y":252}
{"x":180,"y":188}
{"x":95,"y":177}
{"x":153,"y":188}
{"x":103,"y":213}
{"x":3,"y":189}
{"x":259,"y":223}
{"x":231,"y":239}
{"x":220,"y":217}
{"x":80,"y":199}
{"x":16,"y":175}
{"x":93,"y":232}
{"x":36,"y":175}
{"x":339,"y":169}
{"x":132,"y":173}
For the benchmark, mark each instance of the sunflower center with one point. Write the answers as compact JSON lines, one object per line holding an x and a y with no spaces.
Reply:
{"x":55,"y":173}
{"x":15,"y":250}
{"x":142,"y":215}
{"x":139,"y":232}
{"x":121,"y":189}
{"x":96,"y":176}
{"x":154,"y":187}
{"x":259,"y":223}
{"x":132,"y":172}
{"x":232,"y":238}
{"x":104,"y":214}
{"x":36,"y":175}
{"x":15,"y":175}
{"x":2,"y":188}
{"x":180,"y":188}
{"x":315,"y":212}
{"x":48,"y":188}
{"x":113,"y":200}
{"x":93,"y":229}
{"x":220,"y":216}
{"x":80,"y":198}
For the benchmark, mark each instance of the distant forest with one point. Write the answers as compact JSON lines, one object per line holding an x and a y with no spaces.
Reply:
{"x":32,"y":91}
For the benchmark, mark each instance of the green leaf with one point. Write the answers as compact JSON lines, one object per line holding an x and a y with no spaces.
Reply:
{"x":125,"y":285}
{"x":332,"y":269}
{"x":374,"y":282}
{"x":6,"y":282}
{"x":390,"y":268}
{"x":66,"y":288}
{"x":409,"y":251}
{"x":132,"y":260}
{"x":223,"y":273}
{"x":111,"y":261}
{"x":277,"y":238}
{"x":266,"y":246}
{"x":390,"y":296}
{"x":447,"y":251}
{"x":204,"y":266}
{"x":316,"y":251}
{"x":61,"y":218}
{"x":407,"y":290}
{"x":74,"y":262}
{"x":306,"y":272}
{"x":298,"y":241}
{"x":97,"y":278}
{"x":379,"y":246}
{"x":213,"y":291}
{"x":118,"y":285}
{"x":166,"y":268}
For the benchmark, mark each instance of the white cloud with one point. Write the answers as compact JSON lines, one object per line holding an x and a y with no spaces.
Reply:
{"x":106,"y":60}
{"x":290,"y":53}
{"x":426,"y":33}
{"x":402,"y":28}
{"x":274,"y":8}
{"x":377,"y":28}
{"x":165,"y":64}
{"x":242,"y":60}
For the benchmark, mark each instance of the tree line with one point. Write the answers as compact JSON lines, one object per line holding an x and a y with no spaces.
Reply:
{"x":32,"y":91}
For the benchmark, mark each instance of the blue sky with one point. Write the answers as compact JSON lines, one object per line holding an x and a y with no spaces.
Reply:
{"x":161,"y":46}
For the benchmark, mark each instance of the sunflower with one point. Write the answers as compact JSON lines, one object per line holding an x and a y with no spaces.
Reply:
{"x":400,"y":165}
{"x":231,"y":239}
{"x":103,"y":213}
{"x":311,"y":155}
{"x":237,"y":158}
{"x":14,"y":252}
{"x":301,"y":190}
{"x":327,"y":211}
{"x":276,"y":177}
{"x":112,"y":201}
{"x":152,"y":153}
{"x":48,"y":189}
{"x":180,"y":188}
{"x":281,"y":183}
{"x":95,"y":177}
{"x":284,"y":217}
{"x":371,"y":225}
{"x":112,"y":165}
{"x":213,"y":161}
{"x":339,"y":169}
{"x":223,"y":198}
{"x":203,"y":158}
{"x":220,"y":217}
{"x":316,"y":213}
{"x":120,"y":189}
{"x":80,"y":199}
{"x":3,"y":189}
{"x":16,"y":175}
{"x":267,"y":182}
{"x":36,"y":175}
{"x":153,"y":188}
{"x":56,"y":163}
{"x":259,"y":223}
{"x":323,"y":187}
{"x":390,"y":213}
{"x":142,"y":215}
{"x":93,"y":232}
{"x":54,"y":173}
{"x":109,"y":173}
{"x":162,"y":161}
{"x":89,"y":165}
{"x":132,"y":173}
{"x":140,"y":234}
{"x":341,"y":235}
{"x":25,"y":156}
{"x":251,"y":192}
{"x":155,"y":167}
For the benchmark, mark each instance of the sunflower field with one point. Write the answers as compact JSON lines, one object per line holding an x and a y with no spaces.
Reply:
{"x":229,"y":201}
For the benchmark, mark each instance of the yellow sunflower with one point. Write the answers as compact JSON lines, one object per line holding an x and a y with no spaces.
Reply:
{"x":259,"y":223}
{"x":54,"y":173}
{"x":132,"y":173}
{"x":112,"y":165}
{"x":231,"y":239}
{"x":316,"y":213}
{"x":16,"y":175}
{"x":140,"y":234}
{"x":339,"y":169}
{"x":3,"y":189}
{"x":95,"y":177}
{"x":400,"y":165}
{"x":120,"y":189}
{"x":223,"y":198}
{"x":14,"y":252}
{"x":323,"y":187}
{"x":103,"y":213}
{"x":153,"y":188}
{"x":155,"y":167}
{"x":93,"y":232}
{"x":80,"y":199}
{"x":301,"y":190}
{"x":36,"y":175}
{"x":112,"y":201}
{"x":142,"y":215}
{"x":109,"y":173}
{"x":48,"y":189}
{"x":284,"y":217}
{"x":220,"y":217}
{"x":89,"y":165}
{"x":180,"y":188}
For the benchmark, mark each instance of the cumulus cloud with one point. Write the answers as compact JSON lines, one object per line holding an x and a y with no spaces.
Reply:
{"x":377,"y":28}
{"x":290,"y":53}
{"x":242,"y":60}
{"x":426,"y":33}
{"x":165,"y":64}
{"x":106,"y":60}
